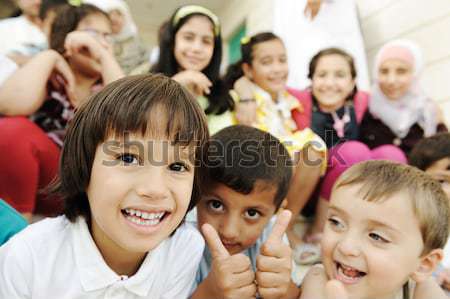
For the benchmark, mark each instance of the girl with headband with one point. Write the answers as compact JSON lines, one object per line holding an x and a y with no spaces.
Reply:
{"x":191,"y":53}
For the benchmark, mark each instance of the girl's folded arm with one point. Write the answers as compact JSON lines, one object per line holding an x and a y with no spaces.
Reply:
{"x":24,"y":91}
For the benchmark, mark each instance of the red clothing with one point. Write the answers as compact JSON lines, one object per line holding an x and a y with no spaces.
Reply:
{"x":28,"y":163}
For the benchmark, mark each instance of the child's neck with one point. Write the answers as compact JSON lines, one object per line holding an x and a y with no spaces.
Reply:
{"x":35,"y":20}
{"x":83,"y":87}
{"x":331,"y":108}
{"x":121,"y":261}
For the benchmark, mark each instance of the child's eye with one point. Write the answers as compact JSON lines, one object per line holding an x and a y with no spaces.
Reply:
{"x":215,"y":205}
{"x":335,"y":223}
{"x":252,"y":214}
{"x":376,"y":237}
{"x":179,"y":167}
{"x":128,"y":159}
{"x":208,"y":41}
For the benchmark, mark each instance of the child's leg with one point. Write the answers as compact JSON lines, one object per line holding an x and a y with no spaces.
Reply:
{"x":28,"y":162}
{"x":304,"y":181}
{"x":340,"y":158}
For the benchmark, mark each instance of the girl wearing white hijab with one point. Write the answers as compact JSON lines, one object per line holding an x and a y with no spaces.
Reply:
{"x":400,"y":113}
{"x":128,"y":48}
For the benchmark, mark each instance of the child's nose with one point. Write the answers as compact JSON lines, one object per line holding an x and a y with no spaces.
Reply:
{"x":230,"y":228}
{"x":150,"y":183}
{"x":349,"y":246}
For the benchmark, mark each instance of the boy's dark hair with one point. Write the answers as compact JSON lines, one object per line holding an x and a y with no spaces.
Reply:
{"x":234,"y":71}
{"x":239,"y":156}
{"x":334,"y":51}
{"x":48,"y":5}
{"x":219,"y":99}
{"x":146,"y":104}
{"x":429,"y":150}
{"x":67,"y":20}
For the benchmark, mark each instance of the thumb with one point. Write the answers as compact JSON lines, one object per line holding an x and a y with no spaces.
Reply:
{"x":280,"y":226}
{"x":218,"y":251}
{"x":335,"y":290}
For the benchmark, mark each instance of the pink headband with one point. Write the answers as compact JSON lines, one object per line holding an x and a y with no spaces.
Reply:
{"x":397,"y":52}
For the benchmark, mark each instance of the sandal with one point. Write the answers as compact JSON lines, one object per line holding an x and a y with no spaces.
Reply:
{"x":307,"y":254}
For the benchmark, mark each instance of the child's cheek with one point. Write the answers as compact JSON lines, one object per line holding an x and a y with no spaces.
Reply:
{"x":251,"y":240}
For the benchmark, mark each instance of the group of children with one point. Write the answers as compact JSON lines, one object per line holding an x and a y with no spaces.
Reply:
{"x":137,"y":156}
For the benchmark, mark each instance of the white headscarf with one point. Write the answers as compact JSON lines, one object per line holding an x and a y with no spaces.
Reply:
{"x":129,"y":28}
{"x":413,"y":107}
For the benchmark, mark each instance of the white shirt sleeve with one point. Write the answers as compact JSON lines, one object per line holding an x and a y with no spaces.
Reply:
{"x":7,"y":67}
{"x":189,"y":252}
{"x":15,"y":269}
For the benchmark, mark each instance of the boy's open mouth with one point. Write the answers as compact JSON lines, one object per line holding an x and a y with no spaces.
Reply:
{"x":347,"y":274}
{"x":144,"y":218}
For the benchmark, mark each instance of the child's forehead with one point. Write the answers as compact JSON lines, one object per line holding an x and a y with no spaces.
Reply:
{"x":350,"y":201}
{"x":148,"y":137}
{"x":440,"y":165}
{"x":262,"y":195}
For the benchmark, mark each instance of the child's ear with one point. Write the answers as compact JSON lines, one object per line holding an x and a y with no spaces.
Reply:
{"x":246,"y":68}
{"x":428,"y":264}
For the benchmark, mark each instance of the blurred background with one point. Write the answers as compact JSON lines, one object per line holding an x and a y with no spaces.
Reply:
{"x":425,"y":22}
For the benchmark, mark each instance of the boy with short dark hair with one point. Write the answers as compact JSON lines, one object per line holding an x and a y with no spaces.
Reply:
{"x":249,"y":172}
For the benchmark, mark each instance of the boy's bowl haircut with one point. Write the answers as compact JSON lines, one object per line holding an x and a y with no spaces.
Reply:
{"x":128,"y":106}
{"x":239,"y":156}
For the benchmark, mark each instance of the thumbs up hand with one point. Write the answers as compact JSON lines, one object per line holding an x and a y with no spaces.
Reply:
{"x":274,"y":263}
{"x":231,"y":276}
{"x":316,"y":285}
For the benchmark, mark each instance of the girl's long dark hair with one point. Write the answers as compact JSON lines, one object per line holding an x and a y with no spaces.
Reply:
{"x":234,"y":71}
{"x":219,"y":98}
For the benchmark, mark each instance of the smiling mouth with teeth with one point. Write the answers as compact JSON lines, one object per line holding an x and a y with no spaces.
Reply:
{"x":144,"y":218}
{"x":347,"y":274}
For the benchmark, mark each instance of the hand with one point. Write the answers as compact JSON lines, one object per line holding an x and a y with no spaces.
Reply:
{"x":274,"y":263}
{"x":317,"y":286}
{"x":312,"y":8}
{"x":82,"y":42}
{"x":246,"y":111}
{"x":443,"y":279}
{"x":63,"y":77}
{"x":231,"y":276}
{"x":196,"y":82}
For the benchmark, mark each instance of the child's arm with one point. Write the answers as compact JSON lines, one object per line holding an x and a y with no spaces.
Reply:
{"x":230,"y":276}
{"x":305,"y":179}
{"x":24,"y":91}
{"x":274,"y":263}
{"x":245,"y":105}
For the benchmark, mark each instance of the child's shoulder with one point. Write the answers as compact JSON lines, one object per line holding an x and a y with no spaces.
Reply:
{"x":187,"y":236}
{"x":42,"y":235}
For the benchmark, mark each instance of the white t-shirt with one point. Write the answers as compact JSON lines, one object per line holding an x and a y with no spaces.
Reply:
{"x":19,"y":35}
{"x":7,"y":67}
{"x":55,"y":258}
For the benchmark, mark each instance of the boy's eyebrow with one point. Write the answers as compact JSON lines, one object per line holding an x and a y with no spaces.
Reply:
{"x":331,"y":207}
{"x":384,"y":225}
{"x":370,"y":221}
